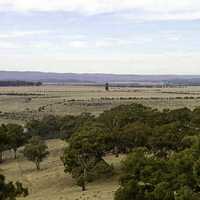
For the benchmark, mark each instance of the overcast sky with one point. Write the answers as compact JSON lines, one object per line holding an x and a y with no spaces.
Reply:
{"x":109,"y":36}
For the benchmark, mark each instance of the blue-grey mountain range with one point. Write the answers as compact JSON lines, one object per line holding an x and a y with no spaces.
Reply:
{"x":98,"y":78}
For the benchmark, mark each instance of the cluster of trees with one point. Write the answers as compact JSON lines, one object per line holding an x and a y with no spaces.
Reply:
{"x":158,"y":143}
{"x":51,"y":127}
{"x":34,"y":134}
{"x":163,"y":149}
{"x":10,"y":190}
{"x":119,"y":130}
{"x":164,"y":152}
{"x":149,"y":177}
{"x":13,"y":136}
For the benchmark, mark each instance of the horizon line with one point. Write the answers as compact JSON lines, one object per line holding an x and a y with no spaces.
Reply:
{"x":103,"y":73}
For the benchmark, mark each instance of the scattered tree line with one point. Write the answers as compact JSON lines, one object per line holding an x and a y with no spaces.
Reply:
{"x":163,"y":149}
{"x":20,"y":94}
{"x":19,"y":83}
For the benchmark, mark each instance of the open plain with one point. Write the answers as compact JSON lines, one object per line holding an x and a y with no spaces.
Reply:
{"x":20,"y":104}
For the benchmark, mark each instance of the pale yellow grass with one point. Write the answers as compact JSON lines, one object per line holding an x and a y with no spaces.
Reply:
{"x":63,"y":100}
{"x":51,"y":183}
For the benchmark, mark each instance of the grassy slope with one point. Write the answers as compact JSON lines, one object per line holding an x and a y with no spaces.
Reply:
{"x":51,"y":183}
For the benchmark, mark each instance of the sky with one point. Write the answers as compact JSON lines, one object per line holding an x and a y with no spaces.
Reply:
{"x":100,"y":36}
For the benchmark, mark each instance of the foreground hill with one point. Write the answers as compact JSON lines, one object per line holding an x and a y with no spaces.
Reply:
{"x":51,"y":182}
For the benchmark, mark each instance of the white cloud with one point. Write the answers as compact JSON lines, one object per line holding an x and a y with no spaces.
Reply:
{"x":78,"y":44}
{"x":163,"y":16}
{"x":102,"y":6}
{"x":103,"y":44}
{"x":67,"y":43}
{"x":16,"y":34}
{"x":118,"y":42}
{"x":137,"y":64}
{"x":8,"y":45}
{"x":107,"y":42}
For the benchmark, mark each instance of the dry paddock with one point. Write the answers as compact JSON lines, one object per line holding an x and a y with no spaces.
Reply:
{"x":51,"y":183}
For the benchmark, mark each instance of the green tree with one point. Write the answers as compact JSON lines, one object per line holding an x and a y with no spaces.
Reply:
{"x":181,"y":115}
{"x":134,"y":135}
{"x":9,"y":191}
{"x":4,"y":142}
{"x":71,"y":124}
{"x":47,"y":127}
{"x":16,"y":136}
{"x":186,"y":193}
{"x":84,"y":156}
{"x":154,"y":178}
{"x":107,"y":86}
{"x":167,"y":137}
{"x":117,"y":119}
{"x":36,"y":151}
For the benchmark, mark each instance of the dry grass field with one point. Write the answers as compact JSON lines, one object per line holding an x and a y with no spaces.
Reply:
{"x":51,"y":183}
{"x":20,"y":104}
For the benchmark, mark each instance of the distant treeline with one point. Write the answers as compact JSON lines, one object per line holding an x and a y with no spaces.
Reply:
{"x":19,"y":83}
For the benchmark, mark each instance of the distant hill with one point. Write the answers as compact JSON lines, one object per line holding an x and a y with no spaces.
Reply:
{"x":19,"y":83}
{"x":99,"y":78}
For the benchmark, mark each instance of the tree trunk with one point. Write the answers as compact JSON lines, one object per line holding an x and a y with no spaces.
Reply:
{"x":83,"y":186}
{"x":116,"y":151}
{"x":15,"y":153}
{"x":1,"y":156}
{"x":37,"y":165}
{"x":84,"y":179}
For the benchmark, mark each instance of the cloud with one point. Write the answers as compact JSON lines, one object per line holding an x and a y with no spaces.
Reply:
{"x":78,"y":44}
{"x":137,"y":64}
{"x":105,"y":6}
{"x":103,"y":43}
{"x":16,"y":34}
{"x":8,"y":45}
{"x":120,"y":42}
{"x":107,"y":43}
{"x":163,"y":16}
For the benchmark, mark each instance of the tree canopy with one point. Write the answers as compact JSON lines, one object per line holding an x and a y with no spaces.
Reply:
{"x":10,"y":190}
{"x":84,"y":156}
{"x":36,"y":151}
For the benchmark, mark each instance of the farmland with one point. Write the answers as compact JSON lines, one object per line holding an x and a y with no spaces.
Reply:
{"x":51,"y":182}
{"x":20,"y":104}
